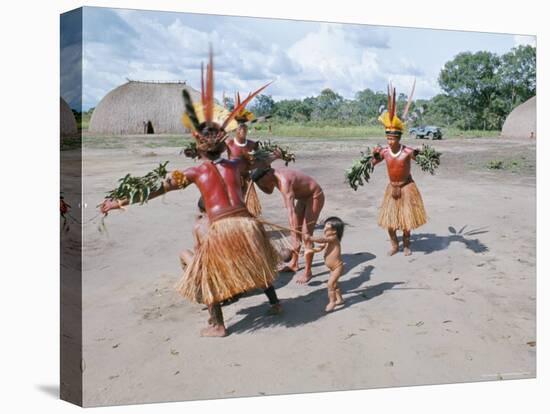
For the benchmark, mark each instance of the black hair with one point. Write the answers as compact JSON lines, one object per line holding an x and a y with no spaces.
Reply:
{"x":200,"y":205}
{"x":337,"y":224}
{"x":257,"y":174}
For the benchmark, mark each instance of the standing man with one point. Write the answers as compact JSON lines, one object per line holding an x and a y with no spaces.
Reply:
{"x":240,"y":147}
{"x":402,"y":207}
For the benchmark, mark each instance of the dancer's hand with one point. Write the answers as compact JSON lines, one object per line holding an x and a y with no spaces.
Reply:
{"x":109,"y":204}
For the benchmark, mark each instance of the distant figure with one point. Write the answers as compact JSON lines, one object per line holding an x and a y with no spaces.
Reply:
{"x":532,"y":135}
{"x":145,"y":127}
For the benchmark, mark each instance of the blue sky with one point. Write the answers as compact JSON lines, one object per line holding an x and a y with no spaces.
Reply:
{"x":301,"y":57}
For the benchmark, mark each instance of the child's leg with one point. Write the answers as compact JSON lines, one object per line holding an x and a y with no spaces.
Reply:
{"x":407,"y":242}
{"x":339,"y":298}
{"x":332,"y":288}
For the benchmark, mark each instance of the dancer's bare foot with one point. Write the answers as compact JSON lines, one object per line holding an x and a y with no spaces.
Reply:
{"x":330,"y":307}
{"x":407,"y":251}
{"x":216,"y":331}
{"x":393,"y":250}
{"x":276,"y":309}
{"x":304,"y":278}
{"x":288,"y":268}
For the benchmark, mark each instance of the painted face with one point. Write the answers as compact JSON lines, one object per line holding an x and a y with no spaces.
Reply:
{"x":242,"y":131}
{"x":393,"y":140}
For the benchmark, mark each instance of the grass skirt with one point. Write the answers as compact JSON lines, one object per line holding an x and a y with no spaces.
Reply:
{"x":235,"y":256}
{"x":405,"y":213}
{"x":251,"y":199}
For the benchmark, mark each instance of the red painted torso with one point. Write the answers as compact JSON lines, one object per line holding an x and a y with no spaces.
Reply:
{"x":219,"y":184}
{"x":235,"y":151}
{"x":399,"y":168}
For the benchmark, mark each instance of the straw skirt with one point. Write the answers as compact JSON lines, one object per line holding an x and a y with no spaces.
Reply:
{"x":235,"y":256}
{"x":406,"y":212}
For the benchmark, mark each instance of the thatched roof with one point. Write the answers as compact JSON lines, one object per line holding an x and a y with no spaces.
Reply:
{"x":125,"y":109}
{"x":522,"y":121}
{"x":67,"y":123}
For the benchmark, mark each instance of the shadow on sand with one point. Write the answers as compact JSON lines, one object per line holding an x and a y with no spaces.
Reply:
{"x":431,"y":242}
{"x":310,"y":307}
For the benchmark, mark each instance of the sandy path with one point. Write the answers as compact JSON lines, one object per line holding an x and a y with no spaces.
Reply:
{"x":462,"y":308}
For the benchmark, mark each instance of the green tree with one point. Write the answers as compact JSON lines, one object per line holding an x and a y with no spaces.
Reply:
{"x":518,"y":75}
{"x":263,"y":105}
{"x":471,"y":79}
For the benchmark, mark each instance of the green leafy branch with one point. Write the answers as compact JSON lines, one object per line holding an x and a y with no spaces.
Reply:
{"x":190,"y":150}
{"x":359,"y":172}
{"x":139,"y":189}
{"x":427,"y":158}
{"x":266,"y":148}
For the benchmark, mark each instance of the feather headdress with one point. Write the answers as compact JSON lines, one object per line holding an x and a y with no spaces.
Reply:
{"x":390,"y":120}
{"x":208,"y":121}
{"x":244,"y":115}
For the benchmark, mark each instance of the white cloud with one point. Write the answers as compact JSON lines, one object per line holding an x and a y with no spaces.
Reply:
{"x":139,"y":45}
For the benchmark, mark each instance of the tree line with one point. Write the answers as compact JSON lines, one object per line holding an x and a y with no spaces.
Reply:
{"x":479,"y":90}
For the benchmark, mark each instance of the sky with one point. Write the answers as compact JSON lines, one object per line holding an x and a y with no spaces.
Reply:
{"x":301,"y":57}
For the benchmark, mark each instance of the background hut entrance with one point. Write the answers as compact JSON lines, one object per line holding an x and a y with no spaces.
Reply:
{"x":148,"y":128}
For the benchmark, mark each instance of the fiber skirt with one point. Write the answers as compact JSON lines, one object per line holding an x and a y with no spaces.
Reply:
{"x":251,"y":198}
{"x":235,"y":256}
{"x":404,"y":213}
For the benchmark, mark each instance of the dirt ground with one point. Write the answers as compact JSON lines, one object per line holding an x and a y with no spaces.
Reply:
{"x":461,"y":308}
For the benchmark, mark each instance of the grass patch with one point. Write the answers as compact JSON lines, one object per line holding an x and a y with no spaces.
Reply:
{"x":360,"y":131}
{"x":510,"y":164}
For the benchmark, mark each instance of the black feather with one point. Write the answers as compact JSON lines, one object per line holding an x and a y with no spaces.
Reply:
{"x":190,"y":110}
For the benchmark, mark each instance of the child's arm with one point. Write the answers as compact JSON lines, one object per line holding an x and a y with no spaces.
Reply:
{"x":324,"y":240}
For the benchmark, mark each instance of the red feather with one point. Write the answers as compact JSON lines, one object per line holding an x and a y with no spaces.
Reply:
{"x":209,"y":106}
{"x":393,"y":105}
{"x":389,"y":103}
{"x":238,"y":108}
{"x":203,"y":100}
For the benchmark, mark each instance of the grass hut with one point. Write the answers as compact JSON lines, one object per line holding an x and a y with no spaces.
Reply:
{"x":67,"y":122}
{"x":522,"y":121}
{"x":141,"y":108}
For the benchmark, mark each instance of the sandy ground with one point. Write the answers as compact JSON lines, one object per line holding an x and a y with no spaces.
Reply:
{"x":461,"y":308}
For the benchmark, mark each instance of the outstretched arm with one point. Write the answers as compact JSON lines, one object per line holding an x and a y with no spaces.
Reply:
{"x":139,"y":190}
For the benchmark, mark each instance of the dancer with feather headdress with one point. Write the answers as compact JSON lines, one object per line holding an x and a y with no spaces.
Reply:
{"x":402,"y":207}
{"x":236,"y":254}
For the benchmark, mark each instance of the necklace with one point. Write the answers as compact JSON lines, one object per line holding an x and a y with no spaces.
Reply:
{"x":398,"y":152}
{"x":243,"y":144}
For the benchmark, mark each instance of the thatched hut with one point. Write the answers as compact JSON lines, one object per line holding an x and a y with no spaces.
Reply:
{"x":141,"y":108}
{"x":67,"y":122}
{"x":522,"y":121}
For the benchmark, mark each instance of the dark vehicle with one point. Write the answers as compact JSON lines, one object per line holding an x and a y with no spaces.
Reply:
{"x":426,"y":131}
